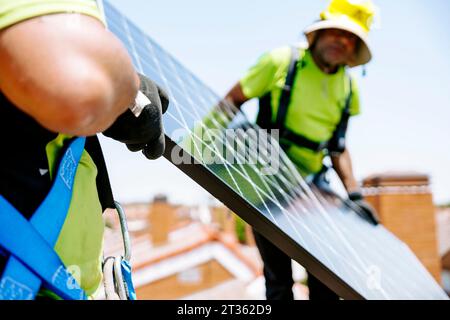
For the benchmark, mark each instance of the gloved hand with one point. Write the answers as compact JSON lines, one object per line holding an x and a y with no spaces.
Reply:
{"x":364,"y":209}
{"x":145,"y":132}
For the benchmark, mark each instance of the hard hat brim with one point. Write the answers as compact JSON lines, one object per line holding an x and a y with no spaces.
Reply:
{"x":364,"y":54}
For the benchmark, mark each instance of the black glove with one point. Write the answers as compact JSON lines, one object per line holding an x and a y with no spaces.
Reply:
{"x":363,"y":209}
{"x":145,"y":132}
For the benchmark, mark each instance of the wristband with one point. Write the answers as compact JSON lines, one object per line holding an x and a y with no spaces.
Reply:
{"x":140,"y":102}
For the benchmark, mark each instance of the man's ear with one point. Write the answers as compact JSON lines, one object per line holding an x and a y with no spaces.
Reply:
{"x":316,"y":36}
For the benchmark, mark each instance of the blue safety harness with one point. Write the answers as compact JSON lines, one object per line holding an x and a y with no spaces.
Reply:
{"x":33,"y":261}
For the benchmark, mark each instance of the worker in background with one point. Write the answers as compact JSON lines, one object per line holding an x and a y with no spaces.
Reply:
{"x":309,"y":96}
{"x":63,"y":75}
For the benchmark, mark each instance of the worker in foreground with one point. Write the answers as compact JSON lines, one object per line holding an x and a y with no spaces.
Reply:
{"x":308,"y":95}
{"x":63,"y":78}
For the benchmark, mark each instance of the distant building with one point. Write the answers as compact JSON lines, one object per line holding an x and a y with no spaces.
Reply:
{"x":207,"y":252}
{"x":194,"y":259}
{"x":175,"y":256}
{"x":181,"y":252}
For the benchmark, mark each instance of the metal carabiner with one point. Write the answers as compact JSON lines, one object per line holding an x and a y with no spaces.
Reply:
{"x":124,"y":229}
{"x":117,"y":270}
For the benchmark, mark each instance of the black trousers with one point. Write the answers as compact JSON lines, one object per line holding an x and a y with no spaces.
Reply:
{"x":278,"y":274}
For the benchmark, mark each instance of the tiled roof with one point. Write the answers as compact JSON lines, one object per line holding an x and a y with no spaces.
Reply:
{"x":182,"y":242}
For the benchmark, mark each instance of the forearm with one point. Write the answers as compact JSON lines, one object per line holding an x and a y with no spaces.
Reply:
{"x":342,"y":164}
{"x":67,"y":72}
{"x":236,"y":96}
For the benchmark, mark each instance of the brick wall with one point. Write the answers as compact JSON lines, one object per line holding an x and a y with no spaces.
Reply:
{"x":405,"y":205}
{"x":162,"y":218}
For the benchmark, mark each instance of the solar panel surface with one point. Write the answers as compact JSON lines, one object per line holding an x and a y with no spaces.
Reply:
{"x":247,"y":171}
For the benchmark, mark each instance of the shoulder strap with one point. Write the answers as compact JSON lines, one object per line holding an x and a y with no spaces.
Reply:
{"x":31,"y":242}
{"x":264,"y":118}
{"x":337,"y":141}
{"x":286,"y":93}
{"x":104,"y":189}
{"x":35,"y":258}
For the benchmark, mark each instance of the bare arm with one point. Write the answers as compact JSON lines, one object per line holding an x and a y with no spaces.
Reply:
{"x":236,"y":95}
{"x":342,"y":164}
{"x":67,"y":72}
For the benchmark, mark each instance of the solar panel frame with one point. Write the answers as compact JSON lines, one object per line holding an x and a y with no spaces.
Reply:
{"x":252,"y":216}
{"x":212,"y":182}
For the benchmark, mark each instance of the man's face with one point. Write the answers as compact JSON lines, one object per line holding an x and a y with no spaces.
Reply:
{"x":336,"y":47}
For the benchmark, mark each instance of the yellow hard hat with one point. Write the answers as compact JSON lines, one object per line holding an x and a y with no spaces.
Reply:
{"x":354,"y":16}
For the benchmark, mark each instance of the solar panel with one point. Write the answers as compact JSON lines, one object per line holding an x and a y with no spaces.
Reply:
{"x":243,"y":167}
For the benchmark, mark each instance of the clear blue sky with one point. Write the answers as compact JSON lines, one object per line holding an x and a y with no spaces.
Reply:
{"x":405,"y":120}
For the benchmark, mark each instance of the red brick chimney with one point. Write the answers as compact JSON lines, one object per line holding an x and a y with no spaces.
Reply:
{"x":405,"y":205}
{"x":161,"y":219}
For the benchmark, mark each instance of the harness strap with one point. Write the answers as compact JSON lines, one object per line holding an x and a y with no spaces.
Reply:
{"x":337,"y":142}
{"x":30,"y":243}
{"x":286,"y":93}
{"x":264,"y":117}
{"x":300,"y":140}
{"x":104,"y":190}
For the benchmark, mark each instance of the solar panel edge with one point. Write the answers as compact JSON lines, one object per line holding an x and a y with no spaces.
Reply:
{"x":250,"y":214}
